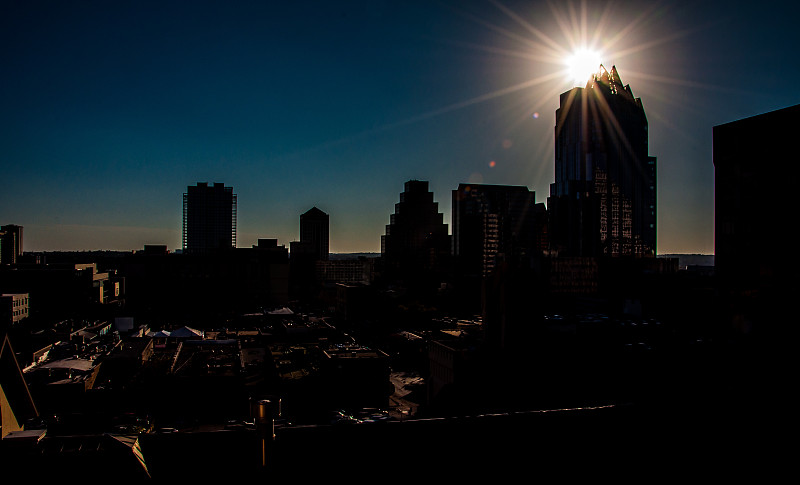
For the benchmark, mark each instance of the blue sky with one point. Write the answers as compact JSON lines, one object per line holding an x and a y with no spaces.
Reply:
{"x":110,"y":109}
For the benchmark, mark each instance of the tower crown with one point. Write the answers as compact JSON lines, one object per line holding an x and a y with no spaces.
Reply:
{"x":611,"y":81}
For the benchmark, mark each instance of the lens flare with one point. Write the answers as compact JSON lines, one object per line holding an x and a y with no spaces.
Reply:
{"x":582,"y":64}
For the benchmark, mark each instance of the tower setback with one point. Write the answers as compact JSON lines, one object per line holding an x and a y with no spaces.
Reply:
{"x":416,"y":246}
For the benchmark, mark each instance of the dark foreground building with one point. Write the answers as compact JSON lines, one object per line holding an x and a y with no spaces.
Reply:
{"x":756,"y":168}
{"x":202,"y":287}
{"x":495,"y":227}
{"x":603,"y":201}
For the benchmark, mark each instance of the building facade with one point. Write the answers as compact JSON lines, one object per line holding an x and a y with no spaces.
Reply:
{"x":13,"y":308}
{"x":345,"y":271}
{"x":209,"y":218}
{"x":603,"y":201}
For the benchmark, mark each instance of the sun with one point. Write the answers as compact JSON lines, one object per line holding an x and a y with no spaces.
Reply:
{"x":581,"y":64}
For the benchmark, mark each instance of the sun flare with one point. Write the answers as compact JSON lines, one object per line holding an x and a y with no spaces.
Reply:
{"x":581,"y":64}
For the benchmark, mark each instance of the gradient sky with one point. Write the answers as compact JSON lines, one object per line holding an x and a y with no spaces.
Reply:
{"x":110,"y":109}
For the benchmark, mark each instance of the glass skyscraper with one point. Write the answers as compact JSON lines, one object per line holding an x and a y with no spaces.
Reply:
{"x":603,"y":201}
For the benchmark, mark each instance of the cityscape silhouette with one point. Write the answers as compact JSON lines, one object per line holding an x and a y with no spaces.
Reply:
{"x":551,"y":290}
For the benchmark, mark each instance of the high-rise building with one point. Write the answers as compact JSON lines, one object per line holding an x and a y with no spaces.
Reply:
{"x":416,"y":246}
{"x":603,"y":201}
{"x":755,"y":172}
{"x":756,"y":168}
{"x":493,"y":222}
{"x":314,"y":230}
{"x":10,"y":244}
{"x":209,"y":218}
{"x":312,"y":247}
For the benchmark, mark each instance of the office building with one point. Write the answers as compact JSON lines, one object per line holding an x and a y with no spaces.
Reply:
{"x":756,"y":269}
{"x":493,"y":223}
{"x":209,"y":218}
{"x":755,"y":173}
{"x":345,"y":271}
{"x":72,"y":289}
{"x":14,"y":307}
{"x":314,"y":231}
{"x":312,"y":248}
{"x":416,"y":246}
{"x":603,"y":201}
{"x":10,"y":244}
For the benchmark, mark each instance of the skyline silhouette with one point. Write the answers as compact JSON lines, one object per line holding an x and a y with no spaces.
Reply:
{"x":111,"y":110}
{"x":266,"y":367}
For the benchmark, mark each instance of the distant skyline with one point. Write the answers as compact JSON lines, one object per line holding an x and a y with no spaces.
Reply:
{"x":111,"y":109}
